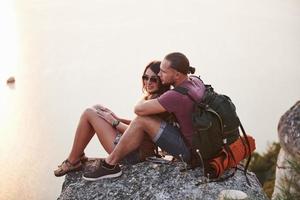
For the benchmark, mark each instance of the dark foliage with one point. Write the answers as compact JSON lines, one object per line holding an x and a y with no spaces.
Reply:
{"x":264,"y":166}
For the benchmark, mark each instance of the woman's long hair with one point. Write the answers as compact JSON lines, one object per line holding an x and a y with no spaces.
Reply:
{"x":155,"y":67}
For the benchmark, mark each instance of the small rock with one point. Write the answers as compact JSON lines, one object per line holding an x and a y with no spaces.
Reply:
{"x":11,"y":80}
{"x":232,"y":195}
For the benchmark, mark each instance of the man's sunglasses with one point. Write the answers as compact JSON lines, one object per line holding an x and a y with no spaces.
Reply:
{"x":153,"y":79}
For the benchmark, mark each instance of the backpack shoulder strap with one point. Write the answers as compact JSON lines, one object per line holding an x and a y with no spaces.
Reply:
{"x":184,"y":91}
{"x":208,"y":94}
{"x":181,"y":90}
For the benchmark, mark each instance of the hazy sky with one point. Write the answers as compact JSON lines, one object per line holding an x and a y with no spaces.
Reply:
{"x":70,"y":54}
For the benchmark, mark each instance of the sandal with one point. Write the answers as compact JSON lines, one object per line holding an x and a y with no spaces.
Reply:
{"x":67,"y":167}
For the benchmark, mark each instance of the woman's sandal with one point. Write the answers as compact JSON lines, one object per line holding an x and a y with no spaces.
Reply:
{"x":67,"y":167}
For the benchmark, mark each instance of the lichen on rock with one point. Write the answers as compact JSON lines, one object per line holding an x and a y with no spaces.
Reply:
{"x":287,"y":182}
{"x":155,"y":181}
{"x":289,"y":131}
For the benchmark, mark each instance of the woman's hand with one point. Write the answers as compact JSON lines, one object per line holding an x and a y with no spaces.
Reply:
{"x":101,"y":108}
{"x":106,"y":115}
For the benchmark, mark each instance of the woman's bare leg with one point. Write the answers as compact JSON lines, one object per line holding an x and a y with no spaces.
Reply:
{"x":90,"y":123}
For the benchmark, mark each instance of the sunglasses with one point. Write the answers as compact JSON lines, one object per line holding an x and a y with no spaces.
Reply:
{"x":153,"y":79}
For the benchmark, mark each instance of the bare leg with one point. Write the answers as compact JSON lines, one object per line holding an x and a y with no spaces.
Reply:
{"x":133,"y":137}
{"x":90,"y":123}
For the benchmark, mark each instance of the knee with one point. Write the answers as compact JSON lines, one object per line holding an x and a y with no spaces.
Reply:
{"x":142,"y":120}
{"x":97,"y":106}
{"x":87,"y":112}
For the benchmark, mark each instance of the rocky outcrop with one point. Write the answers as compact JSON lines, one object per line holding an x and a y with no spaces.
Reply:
{"x":289,"y":137}
{"x":289,"y":131}
{"x":156,"y":181}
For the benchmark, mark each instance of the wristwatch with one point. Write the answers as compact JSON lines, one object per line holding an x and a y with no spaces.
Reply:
{"x":115,"y":123}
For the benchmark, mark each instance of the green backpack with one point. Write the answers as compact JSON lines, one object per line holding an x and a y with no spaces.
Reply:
{"x":215,"y":122}
{"x":216,"y":126}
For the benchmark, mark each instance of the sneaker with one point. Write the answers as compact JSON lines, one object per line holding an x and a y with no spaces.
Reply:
{"x":102,"y":172}
{"x":67,"y":167}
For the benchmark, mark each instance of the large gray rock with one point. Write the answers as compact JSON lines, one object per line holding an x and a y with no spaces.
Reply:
{"x":289,"y":137}
{"x":156,"y":181}
{"x":289,"y":131}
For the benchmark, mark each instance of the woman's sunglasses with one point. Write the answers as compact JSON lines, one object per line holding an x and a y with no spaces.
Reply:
{"x":153,"y":79}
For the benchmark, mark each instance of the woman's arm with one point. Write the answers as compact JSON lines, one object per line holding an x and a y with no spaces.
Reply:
{"x":121,"y":127}
{"x":100,"y":108}
{"x":125,"y":121}
{"x":119,"y":124}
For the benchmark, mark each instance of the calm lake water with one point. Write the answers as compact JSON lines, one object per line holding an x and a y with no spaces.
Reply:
{"x":68,"y":55}
{"x":37,"y":127}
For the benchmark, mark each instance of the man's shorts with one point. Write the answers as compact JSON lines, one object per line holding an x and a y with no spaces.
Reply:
{"x":170,"y":140}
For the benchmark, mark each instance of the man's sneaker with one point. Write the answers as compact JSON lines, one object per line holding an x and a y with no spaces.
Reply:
{"x":83,"y":158}
{"x":102,"y":172}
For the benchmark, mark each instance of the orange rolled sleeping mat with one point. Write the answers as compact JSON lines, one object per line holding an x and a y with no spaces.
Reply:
{"x":240,"y":150}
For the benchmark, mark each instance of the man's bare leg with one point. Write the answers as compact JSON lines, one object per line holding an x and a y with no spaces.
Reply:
{"x":133,"y":137}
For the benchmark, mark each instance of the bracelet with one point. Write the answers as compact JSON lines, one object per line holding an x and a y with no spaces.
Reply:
{"x":115,"y":123}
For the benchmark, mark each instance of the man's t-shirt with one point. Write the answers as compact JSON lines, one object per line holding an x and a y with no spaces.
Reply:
{"x":182,"y":106}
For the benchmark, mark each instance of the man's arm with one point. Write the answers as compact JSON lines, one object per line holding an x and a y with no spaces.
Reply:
{"x":148,"y":107}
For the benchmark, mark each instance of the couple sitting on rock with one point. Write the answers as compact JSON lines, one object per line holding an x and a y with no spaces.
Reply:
{"x":151,"y":121}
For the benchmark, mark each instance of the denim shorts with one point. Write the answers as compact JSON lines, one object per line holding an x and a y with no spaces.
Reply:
{"x":169,"y":139}
{"x":131,"y":158}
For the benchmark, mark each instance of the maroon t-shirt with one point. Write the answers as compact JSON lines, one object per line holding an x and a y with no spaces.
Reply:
{"x":182,"y":106}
